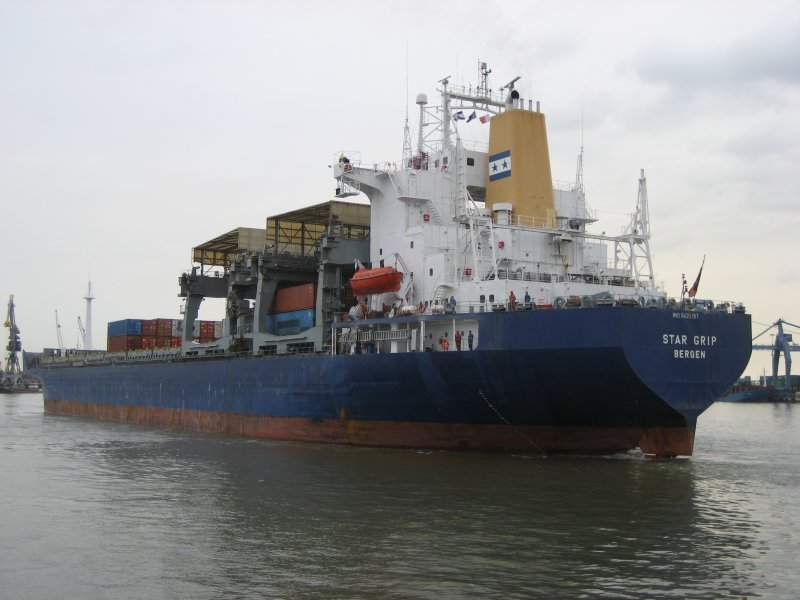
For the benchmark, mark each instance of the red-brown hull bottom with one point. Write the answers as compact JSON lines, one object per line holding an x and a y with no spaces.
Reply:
{"x":655,"y":441}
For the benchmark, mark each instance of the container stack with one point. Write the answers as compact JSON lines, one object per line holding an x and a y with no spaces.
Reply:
{"x":125,"y":335}
{"x":145,"y":334}
{"x":207,"y":331}
{"x":293,"y":309}
{"x":159,"y":333}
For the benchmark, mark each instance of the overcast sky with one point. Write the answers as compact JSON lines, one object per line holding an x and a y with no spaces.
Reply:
{"x":132,"y":131}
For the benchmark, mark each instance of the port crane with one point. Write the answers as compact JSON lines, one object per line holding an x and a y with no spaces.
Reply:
{"x":12,"y":374}
{"x":81,"y":335}
{"x":783,"y":344}
{"x":58,"y":332}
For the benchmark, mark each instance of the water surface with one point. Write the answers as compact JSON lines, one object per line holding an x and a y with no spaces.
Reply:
{"x":104,"y":510}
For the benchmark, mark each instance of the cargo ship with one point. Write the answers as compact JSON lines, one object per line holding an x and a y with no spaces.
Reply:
{"x":470,"y":305}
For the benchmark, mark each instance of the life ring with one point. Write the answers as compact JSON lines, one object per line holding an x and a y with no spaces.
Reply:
{"x":559,"y":302}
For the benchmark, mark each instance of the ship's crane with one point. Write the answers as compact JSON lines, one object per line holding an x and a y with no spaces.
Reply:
{"x":783,"y":344}
{"x":12,"y":373}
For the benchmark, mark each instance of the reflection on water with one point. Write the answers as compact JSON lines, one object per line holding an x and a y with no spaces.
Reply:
{"x":108,"y":510}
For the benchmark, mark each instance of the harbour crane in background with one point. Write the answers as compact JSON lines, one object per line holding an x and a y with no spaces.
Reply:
{"x":60,"y":339}
{"x":783,"y":344}
{"x":81,"y":334}
{"x":12,"y":374}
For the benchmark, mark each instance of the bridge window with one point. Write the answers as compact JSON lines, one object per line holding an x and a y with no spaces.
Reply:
{"x":470,"y":162}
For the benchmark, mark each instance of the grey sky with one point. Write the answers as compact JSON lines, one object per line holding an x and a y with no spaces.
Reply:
{"x":132,"y":131}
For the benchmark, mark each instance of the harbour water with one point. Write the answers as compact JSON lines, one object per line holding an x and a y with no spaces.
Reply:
{"x":105,"y":510}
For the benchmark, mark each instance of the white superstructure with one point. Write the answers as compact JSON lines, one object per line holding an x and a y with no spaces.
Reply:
{"x":476,"y":225}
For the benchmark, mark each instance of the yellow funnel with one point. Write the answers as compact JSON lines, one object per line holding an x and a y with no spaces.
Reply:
{"x":519,"y":167}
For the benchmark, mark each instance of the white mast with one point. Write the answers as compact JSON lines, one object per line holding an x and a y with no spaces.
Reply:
{"x":87,"y":340}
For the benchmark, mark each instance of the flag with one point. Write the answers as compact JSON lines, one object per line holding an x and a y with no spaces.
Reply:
{"x":472,"y":116}
{"x":500,"y":165}
{"x":696,"y":284}
{"x":459,"y":116}
{"x":484,"y":119}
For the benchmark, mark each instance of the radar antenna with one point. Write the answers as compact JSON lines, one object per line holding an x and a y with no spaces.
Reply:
{"x":483,"y":88}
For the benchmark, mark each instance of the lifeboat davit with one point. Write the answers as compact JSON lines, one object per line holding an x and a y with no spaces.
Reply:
{"x":368,"y":282}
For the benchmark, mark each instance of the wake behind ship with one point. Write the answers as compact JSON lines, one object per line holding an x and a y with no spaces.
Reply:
{"x":468,"y":306}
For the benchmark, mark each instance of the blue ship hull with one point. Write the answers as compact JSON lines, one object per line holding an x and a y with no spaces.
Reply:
{"x":576,"y":380}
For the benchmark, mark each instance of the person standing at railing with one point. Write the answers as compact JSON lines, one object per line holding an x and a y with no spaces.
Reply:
{"x":512,"y":301}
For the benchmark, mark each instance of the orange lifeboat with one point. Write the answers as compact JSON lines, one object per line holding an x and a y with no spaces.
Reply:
{"x":368,"y":282}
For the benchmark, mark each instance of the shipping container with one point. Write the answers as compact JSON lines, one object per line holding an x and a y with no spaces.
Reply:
{"x":291,"y":299}
{"x":121,"y":343}
{"x":290,"y":323}
{"x":175,"y":342}
{"x":149,"y":327}
{"x":207,"y":329}
{"x":164,"y":327}
{"x":125,"y":327}
{"x":148,"y":342}
{"x":163,"y":341}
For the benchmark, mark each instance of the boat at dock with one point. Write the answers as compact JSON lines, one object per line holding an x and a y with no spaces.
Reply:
{"x":489,"y":315}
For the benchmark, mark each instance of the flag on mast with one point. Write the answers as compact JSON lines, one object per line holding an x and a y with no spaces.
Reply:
{"x":696,"y":284}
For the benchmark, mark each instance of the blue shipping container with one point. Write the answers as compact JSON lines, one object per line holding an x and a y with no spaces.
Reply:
{"x":125,"y":327}
{"x":290,"y":323}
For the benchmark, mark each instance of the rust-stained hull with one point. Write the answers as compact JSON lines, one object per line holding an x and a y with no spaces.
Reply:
{"x":655,"y":441}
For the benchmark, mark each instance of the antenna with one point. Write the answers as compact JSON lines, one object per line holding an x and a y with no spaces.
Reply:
{"x":406,"y":130}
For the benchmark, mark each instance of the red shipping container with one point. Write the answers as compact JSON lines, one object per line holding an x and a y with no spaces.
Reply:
{"x":148,"y":342}
{"x":298,"y":297}
{"x":121,"y":343}
{"x":163,"y":341}
{"x":164,"y":327}
{"x":175,"y":342}
{"x":150,"y":327}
